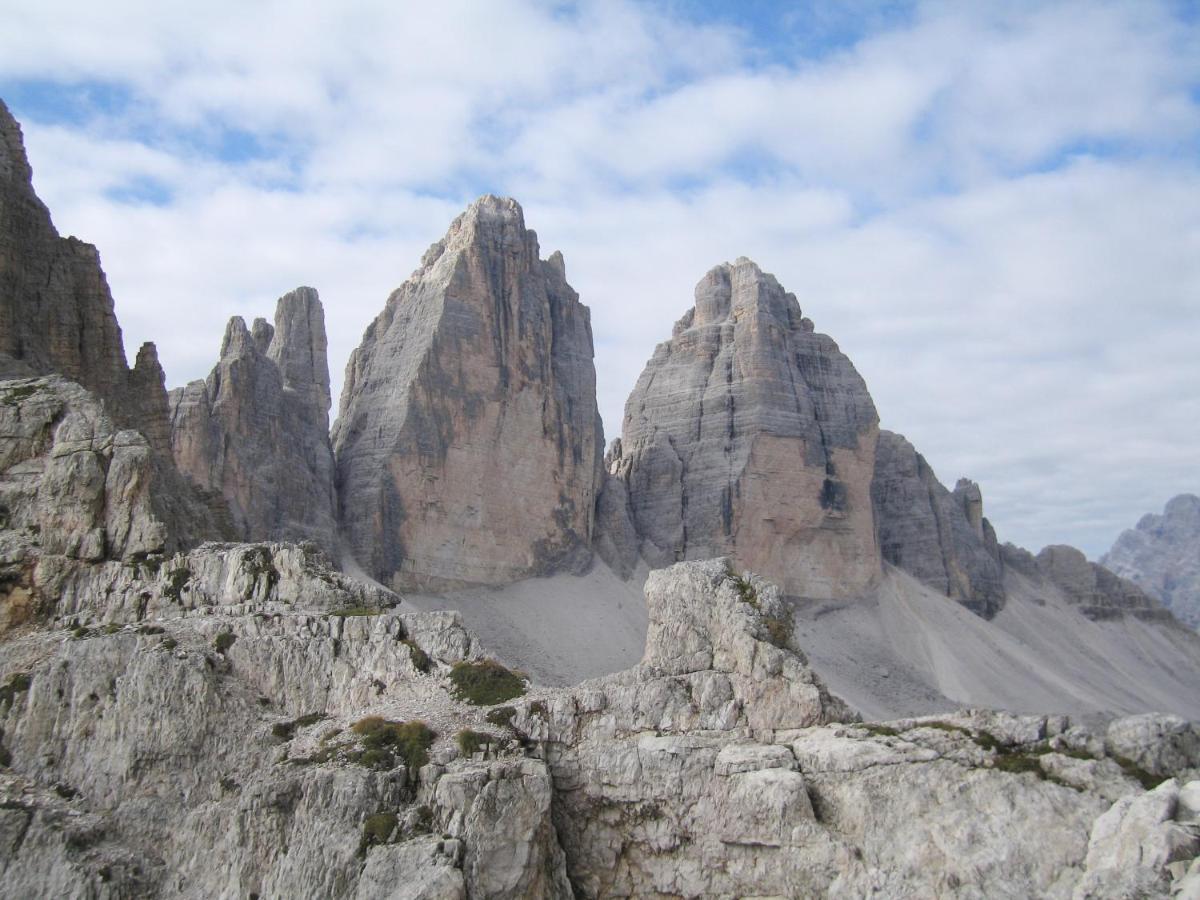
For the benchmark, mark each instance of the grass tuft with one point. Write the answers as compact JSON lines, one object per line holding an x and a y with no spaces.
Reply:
{"x":485,"y":683}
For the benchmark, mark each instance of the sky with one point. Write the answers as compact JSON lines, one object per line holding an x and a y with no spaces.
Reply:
{"x":994,"y":208}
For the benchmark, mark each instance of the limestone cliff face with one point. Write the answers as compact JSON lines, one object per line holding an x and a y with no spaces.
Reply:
{"x":937,"y":536}
{"x":1098,"y":593}
{"x":750,"y":435}
{"x":56,"y":311}
{"x":468,"y":441}
{"x":257,"y":432}
{"x":1162,"y":556}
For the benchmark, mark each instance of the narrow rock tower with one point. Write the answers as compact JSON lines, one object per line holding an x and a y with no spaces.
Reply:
{"x":257,"y":431}
{"x":468,"y":442}
{"x":750,"y":435}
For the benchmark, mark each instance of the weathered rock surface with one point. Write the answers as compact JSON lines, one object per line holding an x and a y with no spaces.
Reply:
{"x":1098,"y":592}
{"x":257,"y":432}
{"x":468,"y":441}
{"x":1162,"y":557}
{"x":76,"y":490}
{"x":752,"y":436}
{"x":939,"y":537}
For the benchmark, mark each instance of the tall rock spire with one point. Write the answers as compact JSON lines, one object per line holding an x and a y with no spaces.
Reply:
{"x":257,"y":432}
{"x":750,"y":435}
{"x":468,"y":441}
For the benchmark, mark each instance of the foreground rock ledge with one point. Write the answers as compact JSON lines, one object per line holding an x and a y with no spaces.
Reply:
{"x":158,"y":758}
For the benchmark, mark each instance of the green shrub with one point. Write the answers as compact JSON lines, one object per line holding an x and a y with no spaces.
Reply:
{"x":18,"y":683}
{"x":1138,"y":774}
{"x":471,"y":742}
{"x":501,"y":715}
{"x":420,"y":659}
{"x":377,"y":829}
{"x":177,"y":580}
{"x":112,"y":628}
{"x":224,"y":641}
{"x":169,"y":643}
{"x":879,"y":730}
{"x":485,"y":683}
{"x":408,"y":740}
{"x":79,"y":632}
{"x":286,"y":730}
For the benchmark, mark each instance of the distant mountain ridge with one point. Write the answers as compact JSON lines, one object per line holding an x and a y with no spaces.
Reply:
{"x":1162,"y":556}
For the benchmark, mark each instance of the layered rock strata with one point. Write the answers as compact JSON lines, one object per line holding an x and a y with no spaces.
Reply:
{"x":751,"y":435}
{"x":257,"y":431}
{"x":468,"y":441}
{"x":1162,"y":556}
{"x":939,"y":537}
{"x":1097,"y":592}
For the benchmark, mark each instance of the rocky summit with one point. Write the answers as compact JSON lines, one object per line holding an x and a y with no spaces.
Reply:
{"x":257,"y":431}
{"x":468,"y":441}
{"x":1162,"y":556}
{"x":750,"y":434}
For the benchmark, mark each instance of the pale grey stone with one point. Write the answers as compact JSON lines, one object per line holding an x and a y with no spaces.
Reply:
{"x":468,"y":441}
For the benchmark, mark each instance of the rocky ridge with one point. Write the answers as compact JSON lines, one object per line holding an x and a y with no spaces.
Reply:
{"x":1162,"y":556}
{"x":468,"y":442}
{"x":749,"y":434}
{"x":257,"y":431}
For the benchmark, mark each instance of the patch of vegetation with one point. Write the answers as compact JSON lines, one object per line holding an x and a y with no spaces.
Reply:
{"x":538,"y":708}
{"x":177,"y":580}
{"x":223,"y":641}
{"x":780,"y":628}
{"x":65,"y":791}
{"x":79,"y":632}
{"x":259,"y":563}
{"x":14,"y":396}
{"x":112,"y":628}
{"x":356,"y":611}
{"x":471,"y":742}
{"x":18,"y":683}
{"x":377,"y":829}
{"x":383,"y":740}
{"x":169,"y":643}
{"x":501,"y":715}
{"x":152,"y":629}
{"x":987,"y":740}
{"x":879,"y":730}
{"x":744,"y":587}
{"x":286,"y":730}
{"x":420,"y":659}
{"x":485,"y":683}
{"x":151,"y":562}
{"x":945,"y":726}
{"x":1147,"y":780}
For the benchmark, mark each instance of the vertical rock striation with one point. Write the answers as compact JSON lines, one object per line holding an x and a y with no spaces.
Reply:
{"x":468,"y":441}
{"x":257,"y":431}
{"x":939,"y":537}
{"x":752,"y":436}
{"x":1162,"y":556}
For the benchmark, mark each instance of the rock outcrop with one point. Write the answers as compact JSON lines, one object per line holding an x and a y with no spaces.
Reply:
{"x":1097,"y":592}
{"x":939,"y":537}
{"x":1162,"y":557}
{"x":468,"y":441}
{"x":257,"y":432}
{"x":751,"y":435}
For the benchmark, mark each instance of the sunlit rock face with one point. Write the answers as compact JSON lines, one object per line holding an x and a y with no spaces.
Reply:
{"x":752,"y":436}
{"x":468,"y":442}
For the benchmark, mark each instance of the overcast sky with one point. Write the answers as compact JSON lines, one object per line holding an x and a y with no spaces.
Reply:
{"x":993,"y":208}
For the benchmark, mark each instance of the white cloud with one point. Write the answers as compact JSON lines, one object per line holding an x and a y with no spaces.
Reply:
{"x":994,"y":209}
